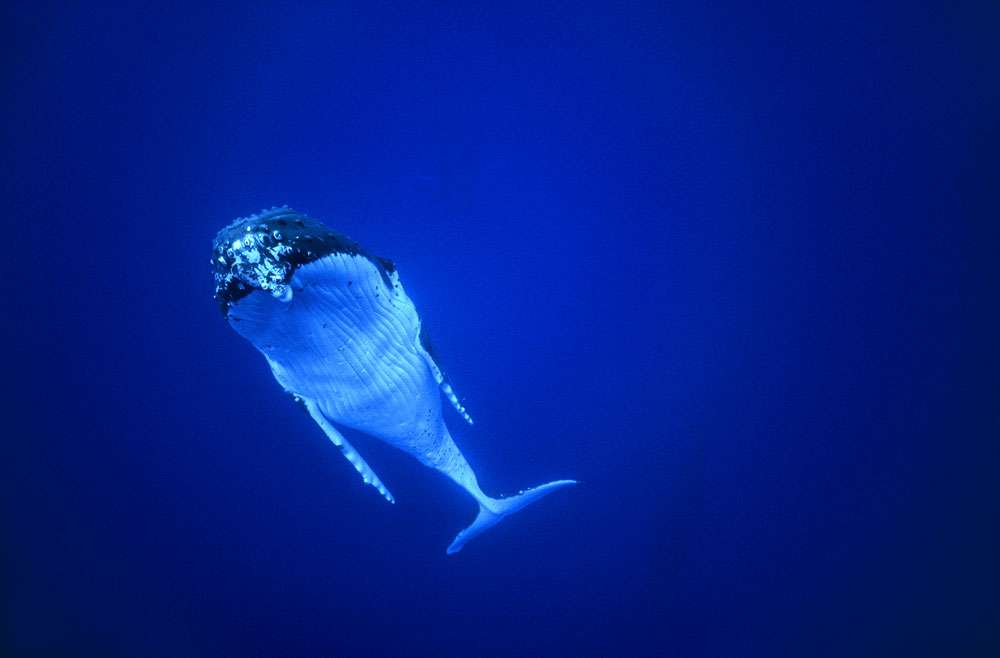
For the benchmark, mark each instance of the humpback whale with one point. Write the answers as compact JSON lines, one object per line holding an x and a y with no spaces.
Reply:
{"x":344,"y":340}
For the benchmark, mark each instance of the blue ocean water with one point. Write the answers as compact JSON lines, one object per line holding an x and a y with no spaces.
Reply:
{"x":726,"y":265}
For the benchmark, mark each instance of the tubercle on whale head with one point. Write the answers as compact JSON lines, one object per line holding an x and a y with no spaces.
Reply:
{"x":262,"y":252}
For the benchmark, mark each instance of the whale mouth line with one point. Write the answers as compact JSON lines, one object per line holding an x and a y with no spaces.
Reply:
{"x":263,"y":251}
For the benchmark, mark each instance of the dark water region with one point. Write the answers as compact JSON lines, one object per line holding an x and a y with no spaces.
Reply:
{"x":730,"y":266}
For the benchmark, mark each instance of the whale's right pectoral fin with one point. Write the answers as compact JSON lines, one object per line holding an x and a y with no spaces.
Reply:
{"x":367,"y":474}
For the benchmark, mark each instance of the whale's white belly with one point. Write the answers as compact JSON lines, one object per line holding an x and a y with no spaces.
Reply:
{"x":350,"y":342}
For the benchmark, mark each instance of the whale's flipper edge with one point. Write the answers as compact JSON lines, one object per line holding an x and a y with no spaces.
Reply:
{"x":423,"y":347}
{"x":352,"y":455}
{"x":494,"y":510}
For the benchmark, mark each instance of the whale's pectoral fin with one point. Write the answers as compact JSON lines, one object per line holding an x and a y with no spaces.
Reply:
{"x":367,"y":474}
{"x":446,"y":388}
{"x":449,"y":393}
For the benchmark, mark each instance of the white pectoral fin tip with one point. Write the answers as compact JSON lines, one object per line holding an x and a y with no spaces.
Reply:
{"x":446,"y":388}
{"x":449,"y":393}
{"x":352,"y":455}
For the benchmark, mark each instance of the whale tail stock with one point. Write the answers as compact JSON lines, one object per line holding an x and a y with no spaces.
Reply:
{"x":494,"y":510}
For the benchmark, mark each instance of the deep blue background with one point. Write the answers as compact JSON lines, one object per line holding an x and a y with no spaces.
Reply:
{"x":726,"y":265}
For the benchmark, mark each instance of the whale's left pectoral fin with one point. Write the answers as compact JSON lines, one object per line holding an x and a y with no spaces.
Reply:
{"x":352,"y":455}
{"x":446,"y":388}
{"x":449,"y":393}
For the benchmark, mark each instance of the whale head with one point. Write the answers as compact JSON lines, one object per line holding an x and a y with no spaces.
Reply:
{"x":262,"y":252}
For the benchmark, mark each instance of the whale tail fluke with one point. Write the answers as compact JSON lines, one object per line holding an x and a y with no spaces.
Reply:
{"x":494,"y":510}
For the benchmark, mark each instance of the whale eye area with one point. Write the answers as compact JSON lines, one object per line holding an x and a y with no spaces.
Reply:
{"x":262,"y":252}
